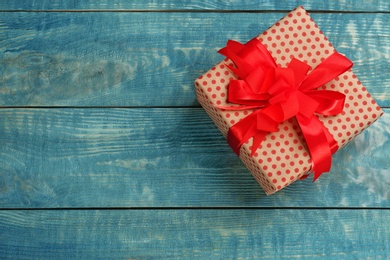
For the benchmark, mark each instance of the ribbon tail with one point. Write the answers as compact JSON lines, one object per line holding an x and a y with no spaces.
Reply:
{"x":241,"y":132}
{"x":317,"y":143}
{"x":257,"y":139}
{"x":256,"y":125}
{"x":333,"y":145}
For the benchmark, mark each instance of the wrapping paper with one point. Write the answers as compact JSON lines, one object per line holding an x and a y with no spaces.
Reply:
{"x":283,"y":156}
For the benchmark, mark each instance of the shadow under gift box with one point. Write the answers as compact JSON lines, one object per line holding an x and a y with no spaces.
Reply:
{"x":283,"y":157}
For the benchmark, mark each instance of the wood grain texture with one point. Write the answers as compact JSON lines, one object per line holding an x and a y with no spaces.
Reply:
{"x":200,"y":234}
{"x":125,"y":59}
{"x":172,"y":157}
{"x":234,"y":5}
{"x":141,"y":183}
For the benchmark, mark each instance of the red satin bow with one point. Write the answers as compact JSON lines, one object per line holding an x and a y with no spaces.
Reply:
{"x":277,"y":94}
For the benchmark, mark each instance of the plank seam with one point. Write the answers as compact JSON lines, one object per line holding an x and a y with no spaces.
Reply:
{"x":186,"y":11}
{"x":94,"y":107}
{"x":194,"y":208}
{"x":111,"y":107}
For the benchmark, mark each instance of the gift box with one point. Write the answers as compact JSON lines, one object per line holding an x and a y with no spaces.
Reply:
{"x":286,"y":101}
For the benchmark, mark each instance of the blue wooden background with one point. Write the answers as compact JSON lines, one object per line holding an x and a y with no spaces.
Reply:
{"x":105,"y":152}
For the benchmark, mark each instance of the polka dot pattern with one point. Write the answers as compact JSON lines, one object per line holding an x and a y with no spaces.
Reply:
{"x":283,"y":156}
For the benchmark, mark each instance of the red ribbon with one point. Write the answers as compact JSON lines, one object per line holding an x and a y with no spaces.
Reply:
{"x":277,"y":94}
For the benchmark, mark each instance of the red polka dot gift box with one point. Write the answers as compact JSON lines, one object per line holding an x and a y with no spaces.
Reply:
{"x":286,"y":101}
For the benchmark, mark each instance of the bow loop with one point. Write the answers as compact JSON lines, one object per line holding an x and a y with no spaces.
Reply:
{"x":327,"y":70}
{"x":307,"y":105}
{"x":255,"y":79}
{"x":330,"y":102}
{"x":300,"y":70}
{"x":241,"y":93}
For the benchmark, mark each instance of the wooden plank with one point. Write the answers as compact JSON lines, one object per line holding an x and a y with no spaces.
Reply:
{"x":334,"y":5}
{"x":164,"y":157}
{"x":119,"y":59}
{"x":200,"y":234}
